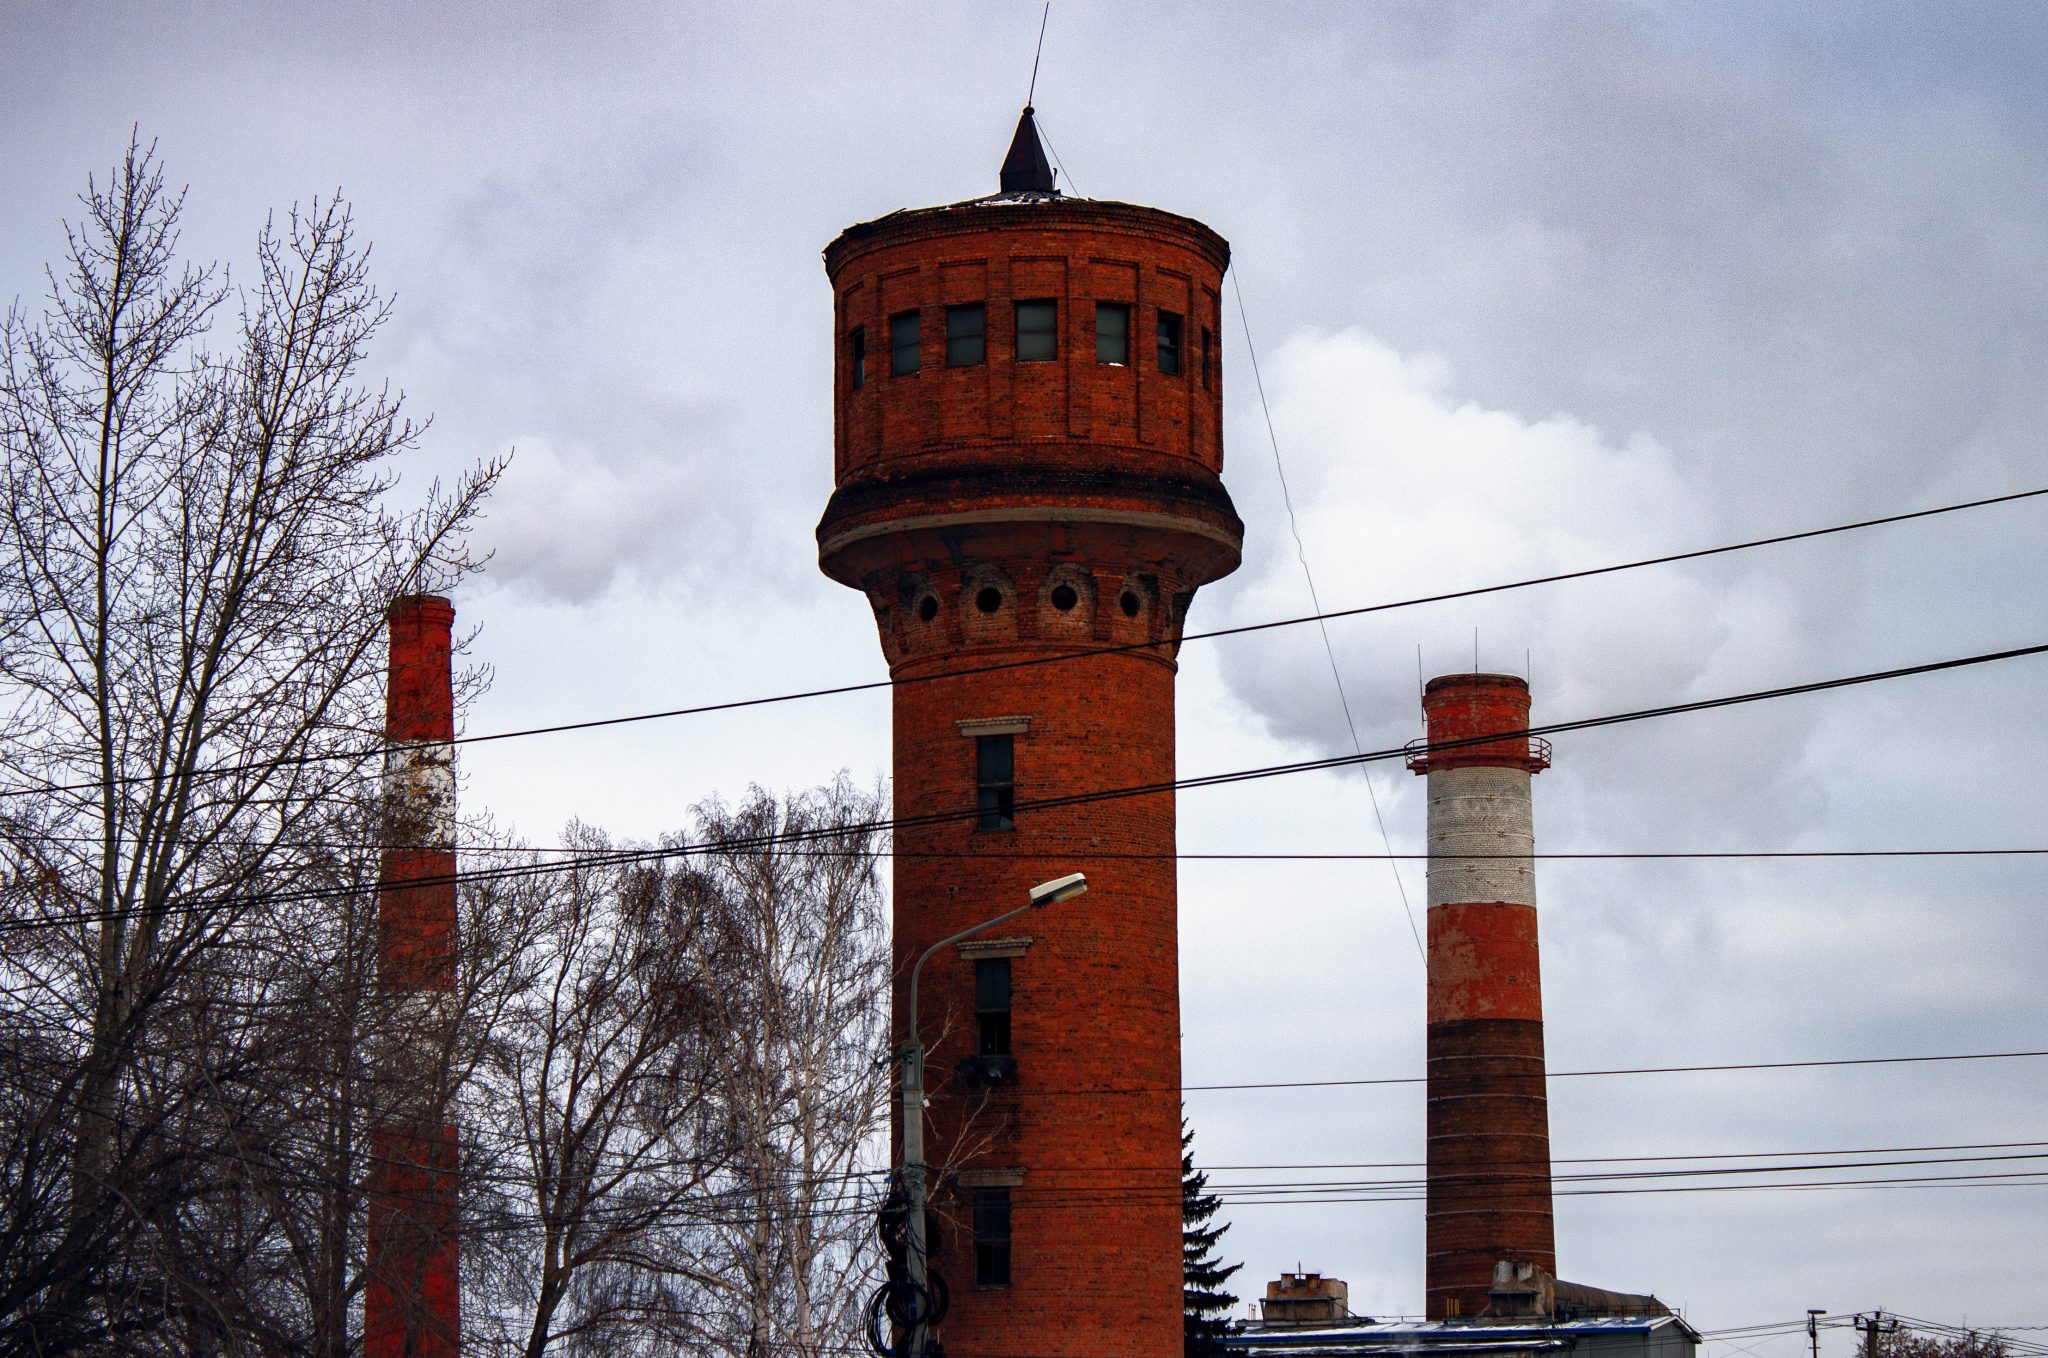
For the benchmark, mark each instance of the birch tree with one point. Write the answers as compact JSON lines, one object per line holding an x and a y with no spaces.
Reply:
{"x":792,"y":896}
{"x":686,"y":1094}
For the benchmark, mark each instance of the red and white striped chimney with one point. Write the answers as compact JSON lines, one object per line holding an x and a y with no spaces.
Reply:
{"x":1488,"y":1195}
{"x":410,"y":1298}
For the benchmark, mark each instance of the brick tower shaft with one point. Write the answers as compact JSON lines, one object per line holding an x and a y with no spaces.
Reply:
{"x":1027,"y":457}
{"x":1488,"y":1176}
{"x":411,"y":1306}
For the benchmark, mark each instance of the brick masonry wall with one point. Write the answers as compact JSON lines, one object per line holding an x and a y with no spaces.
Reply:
{"x":1025,"y":486}
{"x":1074,"y":254}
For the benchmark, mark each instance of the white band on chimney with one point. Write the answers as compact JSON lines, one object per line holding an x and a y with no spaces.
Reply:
{"x":419,"y":787}
{"x":1485,"y":812}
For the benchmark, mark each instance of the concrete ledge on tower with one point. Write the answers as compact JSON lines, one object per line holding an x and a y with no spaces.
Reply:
{"x":1181,"y":505}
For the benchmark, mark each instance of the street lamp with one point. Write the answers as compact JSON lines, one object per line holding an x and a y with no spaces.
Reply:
{"x":911,"y":1053}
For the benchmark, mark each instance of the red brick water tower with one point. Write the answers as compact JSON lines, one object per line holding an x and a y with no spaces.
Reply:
{"x":1027,"y":438}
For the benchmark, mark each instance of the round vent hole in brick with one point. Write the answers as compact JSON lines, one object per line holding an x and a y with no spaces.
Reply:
{"x":1064,"y":598}
{"x":989,"y":599}
{"x":927,"y":608}
{"x":1128,"y":601}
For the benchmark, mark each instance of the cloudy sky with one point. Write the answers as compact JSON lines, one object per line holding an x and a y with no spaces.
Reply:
{"x":1532,"y":287}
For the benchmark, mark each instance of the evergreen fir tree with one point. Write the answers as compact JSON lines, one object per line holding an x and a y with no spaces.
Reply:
{"x":1206,"y":1305}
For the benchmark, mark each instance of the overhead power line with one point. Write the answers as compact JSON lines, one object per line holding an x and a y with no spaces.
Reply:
{"x":1063,"y":657}
{"x":1656,"y":1070}
{"x":839,"y":1193}
{"x":1246,"y":629}
{"x":1322,"y":622}
{"x":1646,"y":1159}
{"x":1030,"y":805}
{"x":1096,"y":853}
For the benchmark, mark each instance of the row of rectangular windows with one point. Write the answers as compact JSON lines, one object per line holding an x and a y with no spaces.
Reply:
{"x":992,"y":1205}
{"x":995,"y":775}
{"x":1038,"y":339}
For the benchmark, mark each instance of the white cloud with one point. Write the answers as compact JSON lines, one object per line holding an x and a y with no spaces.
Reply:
{"x":1405,"y":489}
{"x":568,"y":523}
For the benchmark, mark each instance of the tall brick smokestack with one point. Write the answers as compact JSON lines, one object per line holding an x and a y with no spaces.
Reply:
{"x":1488,"y":1120}
{"x":410,"y":1302}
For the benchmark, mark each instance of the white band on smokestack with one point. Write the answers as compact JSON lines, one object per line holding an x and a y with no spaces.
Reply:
{"x":420,"y":779}
{"x":1481,"y":831}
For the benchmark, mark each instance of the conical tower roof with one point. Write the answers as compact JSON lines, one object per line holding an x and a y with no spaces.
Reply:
{"x":1025,"y":168}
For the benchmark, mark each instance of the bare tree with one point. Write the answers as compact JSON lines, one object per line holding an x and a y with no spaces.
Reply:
{"x":195,"y":555}
{"x":791,"y":893}
{"x":686,"y":1094}
{"x":596,"y":1091}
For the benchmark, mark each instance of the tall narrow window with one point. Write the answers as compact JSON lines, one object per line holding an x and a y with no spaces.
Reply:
{"x":1169,"y":343}
{"x":992,"y":1006}
{"x":1112,"y":333}
{"x":965,"y":345}
{"x":1208,"y":356}
{"x":995,"y":782}
{"x":992,"y":1237}
{"x":905,"y":335}
{"x":858,"y":343}
{"x":1038,"y":332}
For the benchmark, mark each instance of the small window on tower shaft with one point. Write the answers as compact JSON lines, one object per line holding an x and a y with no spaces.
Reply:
{"x":992,"y":1006}
{"x":1112,"y":333}
{"x":1169,"y":343}
{"x":995,"y":782}
{"x":904,"y":339}
{"x":858,"y":343}
{"x":991,"y":1237}
{"x":1038,"y":332}
{"x":964,"y":336}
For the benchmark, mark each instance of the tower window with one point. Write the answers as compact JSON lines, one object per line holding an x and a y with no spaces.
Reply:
{"x":995,"y":782}
{"x":1169,"y":343}
{"x":965,"y":344}
{"x":1038,"y":332}
{"x":992,"y":1237}
{"x":905,"y":334}
{"x":1112,"y":333}
{"x":1208,"y":357}
{"x":992,"y":1006}
{"x":857,"y":342}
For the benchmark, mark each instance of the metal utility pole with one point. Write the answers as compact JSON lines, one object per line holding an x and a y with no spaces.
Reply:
{"x":1873,"y":1327}
{"x":911,"y":1173}
{"x":1813,"y":1315}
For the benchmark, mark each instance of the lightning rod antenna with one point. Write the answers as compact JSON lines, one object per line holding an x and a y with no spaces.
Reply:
{"x":1036,"y":53}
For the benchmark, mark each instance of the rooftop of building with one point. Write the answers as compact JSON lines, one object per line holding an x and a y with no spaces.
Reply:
{"x":1365,"y":1336}
{"x":1026,"y":181}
